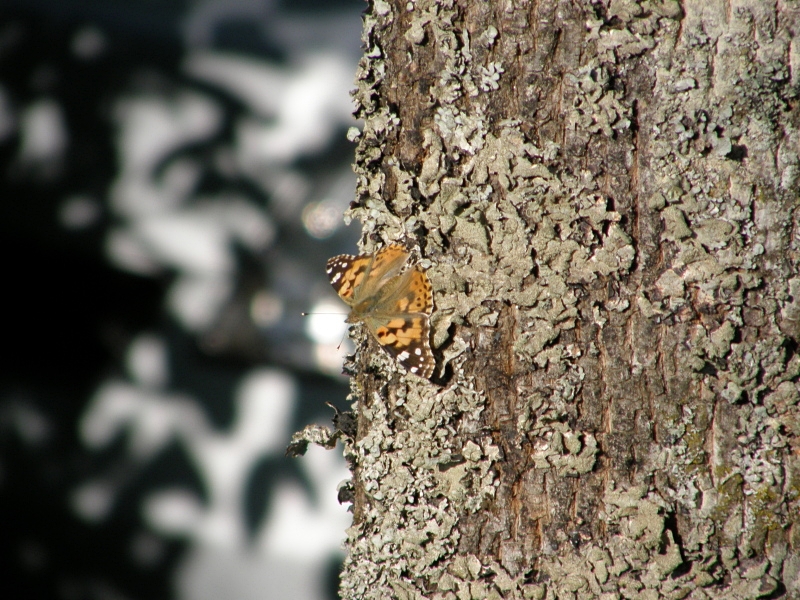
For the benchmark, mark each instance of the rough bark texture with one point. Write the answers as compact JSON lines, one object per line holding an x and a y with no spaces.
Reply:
{"x":606,"y":195}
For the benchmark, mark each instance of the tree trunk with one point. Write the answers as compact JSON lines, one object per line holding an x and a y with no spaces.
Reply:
{"x":606,"y":196}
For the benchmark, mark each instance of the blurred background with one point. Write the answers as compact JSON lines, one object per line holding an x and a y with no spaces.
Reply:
{"x":172,"y":180}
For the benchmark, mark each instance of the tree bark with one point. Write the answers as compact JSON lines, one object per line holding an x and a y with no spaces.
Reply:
{"x":606,"y":196}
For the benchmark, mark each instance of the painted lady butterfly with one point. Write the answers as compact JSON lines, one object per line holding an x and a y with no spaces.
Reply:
{"x":393,"y":303}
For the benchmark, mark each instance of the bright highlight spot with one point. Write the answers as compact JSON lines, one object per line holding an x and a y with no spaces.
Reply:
{"x":322,"y":219}
{"x":325,"y":323}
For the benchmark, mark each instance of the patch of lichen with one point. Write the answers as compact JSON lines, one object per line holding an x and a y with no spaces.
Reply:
{"x":730,"y":495}
{"x":762,"y":503}
{"x":696,"y":459}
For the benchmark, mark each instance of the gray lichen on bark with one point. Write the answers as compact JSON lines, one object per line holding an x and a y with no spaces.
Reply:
{"x":606,"y":196}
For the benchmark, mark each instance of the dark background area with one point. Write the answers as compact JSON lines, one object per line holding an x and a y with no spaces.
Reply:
{"x":73,"y":313}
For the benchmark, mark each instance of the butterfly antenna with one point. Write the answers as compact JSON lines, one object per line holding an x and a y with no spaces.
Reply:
{"x":342,"y":341}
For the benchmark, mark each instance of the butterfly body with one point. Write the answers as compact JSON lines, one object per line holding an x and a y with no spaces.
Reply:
{"x":393,"y":303}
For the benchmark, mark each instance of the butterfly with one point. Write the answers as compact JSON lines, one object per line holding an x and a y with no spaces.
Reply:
{"x":394,"y":304}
